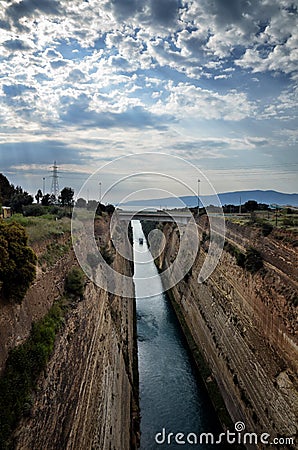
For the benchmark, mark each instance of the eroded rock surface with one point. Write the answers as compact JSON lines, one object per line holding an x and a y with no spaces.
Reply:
{"x":246,"y":328}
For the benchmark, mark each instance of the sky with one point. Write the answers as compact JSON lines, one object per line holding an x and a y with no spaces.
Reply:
{"x":213,"y":82}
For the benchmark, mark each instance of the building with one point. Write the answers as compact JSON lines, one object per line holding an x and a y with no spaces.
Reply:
{"x":5,"y":212}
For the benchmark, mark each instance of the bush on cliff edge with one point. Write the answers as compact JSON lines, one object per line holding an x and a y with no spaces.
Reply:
{"x":75,"y":283}
{"x":17,"y":262}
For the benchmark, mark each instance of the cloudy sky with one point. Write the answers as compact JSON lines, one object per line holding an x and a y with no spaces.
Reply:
{"x":211,"y":81}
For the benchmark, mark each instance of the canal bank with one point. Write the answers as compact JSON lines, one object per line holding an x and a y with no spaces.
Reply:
{"x":172,"y":395}
{"x":243,"y":325}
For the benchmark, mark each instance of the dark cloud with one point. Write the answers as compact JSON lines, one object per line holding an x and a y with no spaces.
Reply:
{"x":76,"y":75}
{"x":52,"y":53}
{"x":123,"y":9}
{"x":58,"y":63}
{"x":120,"y":63}
{"x":230,"y":11}
{"x":16,"y":45}
{"x":4,"y":25}
{"x":155,"y":12}
{"x":77,"y":112}
{"x":41,"y":152}
{"x":247,"y":14}
{"x":165,"y":12}
{"x":27,"y":8}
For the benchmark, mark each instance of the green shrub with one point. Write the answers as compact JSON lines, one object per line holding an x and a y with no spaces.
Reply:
{"x":17,"y":261}
{"x":106,"y":254}
{"x":75,"y":283}
{"x":253,"y":260}
{"x":240,"y":259}
{"x":53,"y":209}
{"x":289,"y":222}
{"x":234,"y":251}
{"x":33,"y":210}
{"x":205,"y":237}
{"x":266,"y":228}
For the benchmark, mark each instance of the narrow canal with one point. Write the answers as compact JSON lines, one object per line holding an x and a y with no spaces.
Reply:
{"x":171,"y":394}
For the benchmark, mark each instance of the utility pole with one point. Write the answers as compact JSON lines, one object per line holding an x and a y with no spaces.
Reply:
{"x":100,"y":192}
{"x":43,"y":186}
{"x":240,"y":206}
{"x":55,"y":184}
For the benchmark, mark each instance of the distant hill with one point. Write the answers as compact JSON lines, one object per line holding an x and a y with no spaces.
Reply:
{"x":226,"y":198}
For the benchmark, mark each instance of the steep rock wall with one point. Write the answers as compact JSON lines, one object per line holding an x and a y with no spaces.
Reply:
{"x":87,"y":396}
{"x":245,"y":327}
{"x":16,"y":319}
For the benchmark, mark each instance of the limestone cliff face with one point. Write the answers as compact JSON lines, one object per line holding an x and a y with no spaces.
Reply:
{"x":16,"y":320}
{"x":87,"y":396}
{"x":246,"y":328}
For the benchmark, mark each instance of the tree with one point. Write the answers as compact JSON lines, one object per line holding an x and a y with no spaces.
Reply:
{"x":263,"y":206}
{"x":81,"y":203}
{"x":6,"y":190}
{"x":45,"y":201}
{"x":100,"y":209}
{"x":92,"y":205}
{"x":17,"y":262}
{"x":20,"y":198}
{"x":250,"y":205}
{"x":53,"y":199}
{"x":38,"y":196}
{"x":110,"y":209}
{"x":66,"y":196}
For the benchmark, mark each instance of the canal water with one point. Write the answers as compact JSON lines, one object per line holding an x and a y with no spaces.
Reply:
{"x":172,"y":397}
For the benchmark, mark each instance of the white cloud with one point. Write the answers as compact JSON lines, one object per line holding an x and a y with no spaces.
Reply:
{"x":186,"y":100}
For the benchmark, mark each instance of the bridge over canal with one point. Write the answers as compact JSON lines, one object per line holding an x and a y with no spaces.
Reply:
{"x":182,"y":217}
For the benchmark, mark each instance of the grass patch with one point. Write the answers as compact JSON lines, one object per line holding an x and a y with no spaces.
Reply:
{"x":53,"y":252}
{"x":43,"y":227}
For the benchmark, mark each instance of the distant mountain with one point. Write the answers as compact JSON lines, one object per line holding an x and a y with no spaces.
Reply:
{"x":226,"y":198}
